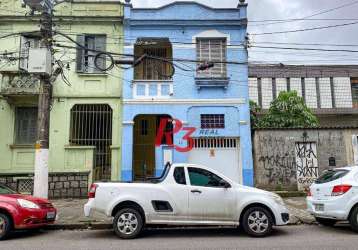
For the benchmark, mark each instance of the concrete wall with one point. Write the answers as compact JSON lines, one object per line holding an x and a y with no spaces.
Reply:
{"x":277,"y":164}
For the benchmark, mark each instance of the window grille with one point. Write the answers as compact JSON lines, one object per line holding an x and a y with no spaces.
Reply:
{"x":85,"y":58}
{"x":219,"y":142}
{"x":25,"y":125}
{"x":212,"y":121}
{"x":91,"y":125}
{"x":212,"y":50}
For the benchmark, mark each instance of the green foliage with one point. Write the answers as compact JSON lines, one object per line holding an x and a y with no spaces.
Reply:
{"x":254,"y":110}
{"x":288,"y":110}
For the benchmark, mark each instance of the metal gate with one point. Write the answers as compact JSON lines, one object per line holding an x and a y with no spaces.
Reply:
{"x":91,"y":125}
{"x":221,"y":154}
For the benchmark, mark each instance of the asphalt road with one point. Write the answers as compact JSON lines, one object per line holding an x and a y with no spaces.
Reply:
{"x":288,"y":237}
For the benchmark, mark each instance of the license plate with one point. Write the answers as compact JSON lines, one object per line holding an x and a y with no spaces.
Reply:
{"x":51,"y":215}
{"x":319,"y":207}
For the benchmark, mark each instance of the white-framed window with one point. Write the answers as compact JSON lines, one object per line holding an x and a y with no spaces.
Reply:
{"x":213,"y":50}
{"x":152,"y":89}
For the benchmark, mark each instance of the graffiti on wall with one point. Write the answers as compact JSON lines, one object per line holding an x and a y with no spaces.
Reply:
{"x":279,"y":164}
{"x":306,"y":163}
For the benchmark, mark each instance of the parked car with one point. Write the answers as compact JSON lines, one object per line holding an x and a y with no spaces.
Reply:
{"x":19,"y":211}
{"x":184,"y":195}
{"x":334,"y":197}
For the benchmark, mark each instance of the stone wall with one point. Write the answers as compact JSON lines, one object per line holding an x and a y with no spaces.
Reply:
{"x":61,"y":185}
{"x":291,"y":159}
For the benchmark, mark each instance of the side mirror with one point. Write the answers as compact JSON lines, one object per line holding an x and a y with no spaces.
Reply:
{"x":224,"y":184}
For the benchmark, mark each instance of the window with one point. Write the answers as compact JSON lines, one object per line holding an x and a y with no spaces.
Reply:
{"x":354,"y":86}
{"x":179,"y":175}
{"x":149,"y":68}
{"x":331,"y":175}
{"x":212,"y":121}
{"x":85,"y":58}
{"x":212,"y":50}
{"x":6,"y":190}
{"x":204,"y":178}
{"x":25,"y":125}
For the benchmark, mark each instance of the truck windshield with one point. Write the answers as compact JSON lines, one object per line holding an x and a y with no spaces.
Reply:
{"x":331,"y":175}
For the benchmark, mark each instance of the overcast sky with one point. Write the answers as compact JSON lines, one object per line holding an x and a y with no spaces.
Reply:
{"x":288,"y":9}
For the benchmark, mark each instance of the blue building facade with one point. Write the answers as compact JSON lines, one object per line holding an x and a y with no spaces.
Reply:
{"x":161,"y":107}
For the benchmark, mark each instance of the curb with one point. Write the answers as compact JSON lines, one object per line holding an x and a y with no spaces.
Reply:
{"x":79,"y":226}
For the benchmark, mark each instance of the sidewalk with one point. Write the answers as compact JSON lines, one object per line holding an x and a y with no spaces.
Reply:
{"x":70,"y":214}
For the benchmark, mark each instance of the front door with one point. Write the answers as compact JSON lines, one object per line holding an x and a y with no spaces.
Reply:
{"x":209,"y":200}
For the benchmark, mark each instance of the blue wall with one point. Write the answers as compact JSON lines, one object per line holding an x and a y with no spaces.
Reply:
{"x":182,"y":22}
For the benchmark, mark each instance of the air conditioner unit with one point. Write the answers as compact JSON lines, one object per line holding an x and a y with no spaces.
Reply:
{"x":39,"y":61}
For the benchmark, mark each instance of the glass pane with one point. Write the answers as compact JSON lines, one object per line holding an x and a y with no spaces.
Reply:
{"x":141,"y":89}
{"x":331,"y":175}
{"x":165,"y":90}
{"x":153,"y":90}
{"x":26,"y":125}
{"x":201,"y":177}
{"x":179,"y":175}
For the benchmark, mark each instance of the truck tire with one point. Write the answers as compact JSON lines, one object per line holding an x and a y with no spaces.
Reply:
{"x":5,"y":226}
{"x":257,"y":222}
{"x":353,"y":219}
{"x":128,"y":223}
{"x":325,"y":222}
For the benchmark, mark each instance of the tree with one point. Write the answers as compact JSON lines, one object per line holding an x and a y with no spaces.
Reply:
{"x":288,"y":110}
{"x":254,"y":110}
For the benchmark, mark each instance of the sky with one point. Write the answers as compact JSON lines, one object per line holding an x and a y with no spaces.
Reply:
{"x":259,"y":10}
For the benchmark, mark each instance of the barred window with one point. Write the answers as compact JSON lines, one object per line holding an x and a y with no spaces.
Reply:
{"x":212,"y":121}
{"x":25,"y":125}
{"x":212,"y":50}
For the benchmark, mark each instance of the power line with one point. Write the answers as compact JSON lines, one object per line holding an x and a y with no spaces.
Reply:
{"x":314,"y":14}
{"x":302,"y":30}
{"x":311,"y":44}
{"x":310,"y":49}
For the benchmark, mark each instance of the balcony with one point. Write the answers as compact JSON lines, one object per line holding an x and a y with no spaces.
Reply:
{"x":152,"y":89}
{"x":17,"y":84}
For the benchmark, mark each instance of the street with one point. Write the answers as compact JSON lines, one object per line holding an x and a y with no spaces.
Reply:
{"x":288,"y":237}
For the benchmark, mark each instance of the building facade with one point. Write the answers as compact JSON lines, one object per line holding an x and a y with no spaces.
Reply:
{"x":331,"y":91}
{"x":85,"y":123}
{"x":162,"y":108}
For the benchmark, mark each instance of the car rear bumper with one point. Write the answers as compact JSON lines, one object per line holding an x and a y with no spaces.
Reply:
{"x":88,"y":207}
{"x":332,"y":209}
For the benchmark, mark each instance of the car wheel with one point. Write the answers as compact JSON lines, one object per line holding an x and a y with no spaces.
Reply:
{"x":326,"y":222}
{"x":257,"y":222}
{"x":353,"y":219}
{"x":5,"y":226}
{"x":128,"y":223}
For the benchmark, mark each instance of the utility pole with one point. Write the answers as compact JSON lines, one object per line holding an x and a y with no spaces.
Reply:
{"x":44,"y":101}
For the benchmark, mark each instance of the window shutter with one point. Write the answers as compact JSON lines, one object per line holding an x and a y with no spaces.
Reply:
{"x":100,"y":44}
{"x":80,"y":53}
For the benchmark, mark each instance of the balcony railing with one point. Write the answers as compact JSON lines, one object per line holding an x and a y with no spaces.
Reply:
{"x":147,"y":89}
{"x":15,"y":83}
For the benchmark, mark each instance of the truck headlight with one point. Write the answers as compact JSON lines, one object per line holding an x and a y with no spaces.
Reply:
{"x":27,"y":204}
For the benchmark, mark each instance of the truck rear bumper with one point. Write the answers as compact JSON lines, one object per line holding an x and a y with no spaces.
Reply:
{"x":88,"y":207}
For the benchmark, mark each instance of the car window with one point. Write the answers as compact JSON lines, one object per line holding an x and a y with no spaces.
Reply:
{"x":202,"y":177}
{"x":179,"y":175}
{"x":331,"y":175}
{"x":6,"y":190}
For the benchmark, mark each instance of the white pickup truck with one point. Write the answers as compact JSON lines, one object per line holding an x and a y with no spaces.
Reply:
{"x":186,"y":194}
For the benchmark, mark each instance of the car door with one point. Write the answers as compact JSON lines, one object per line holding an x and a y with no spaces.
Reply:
{"x":211,"y":198}
{"x":173,"y":205}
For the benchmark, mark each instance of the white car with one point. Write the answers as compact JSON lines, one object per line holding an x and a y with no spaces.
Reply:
{"x":334,"y":197}
{"x":186,"y":195}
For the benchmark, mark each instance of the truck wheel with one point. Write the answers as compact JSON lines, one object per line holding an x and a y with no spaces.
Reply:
{"x":5,"y":226}
{"x":257,"y":222}
{"x":128,"y":223}
{"x":325,"y":222}
{"x":353,"y":219}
